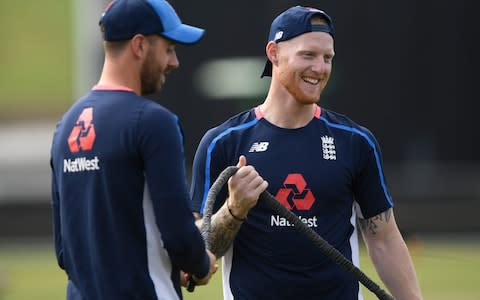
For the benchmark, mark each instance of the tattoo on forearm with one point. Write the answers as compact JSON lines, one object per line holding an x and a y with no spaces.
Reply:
{"x":371,"y":225}
{"x":224,"y":230}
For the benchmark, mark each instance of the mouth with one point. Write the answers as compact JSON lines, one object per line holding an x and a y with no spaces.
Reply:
{"x":311,"y":80}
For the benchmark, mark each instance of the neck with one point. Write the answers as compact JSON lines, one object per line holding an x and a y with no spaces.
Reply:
{"x":120,"y":73}
{"x":286,"y":112}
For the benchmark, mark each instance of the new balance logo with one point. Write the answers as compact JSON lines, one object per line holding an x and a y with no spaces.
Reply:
{"x":328,"y":148}
{"x":259,"y":147}
{"x":278,"y":35}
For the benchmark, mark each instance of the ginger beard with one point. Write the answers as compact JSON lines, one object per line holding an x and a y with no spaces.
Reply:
{"x":304,"y":86}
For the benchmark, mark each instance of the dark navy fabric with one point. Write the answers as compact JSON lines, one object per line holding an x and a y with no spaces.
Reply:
{"x":122,"y":223}
{"x":72,"y":292}
{"x":328,"y":172}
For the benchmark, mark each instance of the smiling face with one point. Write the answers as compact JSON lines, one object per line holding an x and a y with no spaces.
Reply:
{"x":303,"y":65}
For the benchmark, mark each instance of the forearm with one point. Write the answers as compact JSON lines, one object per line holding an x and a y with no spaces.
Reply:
{"x":395,"y":268}
{"x":244,"y":188}
{"x":185,"y":247}
{"x":390,"y":255}
{"x":224,"y":228}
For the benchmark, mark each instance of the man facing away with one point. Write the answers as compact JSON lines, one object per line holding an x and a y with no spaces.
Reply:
{"x":122,"y":223}
{"x":319,"y":164}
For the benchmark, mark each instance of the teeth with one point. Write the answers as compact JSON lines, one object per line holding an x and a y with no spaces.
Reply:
{"x":311,"y":80}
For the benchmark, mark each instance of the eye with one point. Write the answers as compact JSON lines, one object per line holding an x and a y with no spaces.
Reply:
{"x":328,"y":58}
{"x":171,"y":49}
{"x":308,"y":55}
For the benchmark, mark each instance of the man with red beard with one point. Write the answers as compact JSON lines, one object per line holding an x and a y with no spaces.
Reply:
{"x":122,"y":224}
{"x":319,"y":164}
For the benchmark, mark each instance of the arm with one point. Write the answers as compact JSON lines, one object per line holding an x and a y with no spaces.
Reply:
{"x":161,"y":148}
{"x":224,"y":229}
{"x":244,"y":189}
{"x":56,"y":219}
{"x":390,"y":255}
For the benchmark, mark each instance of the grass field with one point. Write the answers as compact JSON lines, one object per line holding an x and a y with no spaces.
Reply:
{"x":446,"y":270}
{"x":35,"y":58}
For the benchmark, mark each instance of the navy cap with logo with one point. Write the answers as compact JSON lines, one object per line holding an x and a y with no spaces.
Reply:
{"x":123,"y":19}
{"x":294,"y":22}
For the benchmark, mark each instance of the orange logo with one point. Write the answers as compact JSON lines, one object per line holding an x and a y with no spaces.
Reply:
{"x":294,"y":193}
{"x":82,"y":136}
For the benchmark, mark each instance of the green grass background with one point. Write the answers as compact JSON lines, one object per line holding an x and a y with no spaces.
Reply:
{"x":35,"y":58}
{"x":446,"y":271}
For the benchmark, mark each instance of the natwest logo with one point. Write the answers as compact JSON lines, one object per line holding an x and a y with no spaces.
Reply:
{"x":295,"y":194}
{"x":80,"y":164}
{"x":83,"y":135}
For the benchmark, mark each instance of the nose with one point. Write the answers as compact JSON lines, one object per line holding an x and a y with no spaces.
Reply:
{"x":321,"y":66}
{"x":173,"y":62}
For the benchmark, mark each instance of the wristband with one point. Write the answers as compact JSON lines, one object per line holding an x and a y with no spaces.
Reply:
{"x":234,"y":216}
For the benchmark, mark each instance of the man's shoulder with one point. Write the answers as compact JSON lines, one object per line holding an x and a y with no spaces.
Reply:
{"x":115,"y":99}
{"x":337,"y":118}
{"x":241,"y":120}
{"x":131,"y":106}
{"x":346,"y":124}
{"x":340,"y":120}
{"x":155,"y":107}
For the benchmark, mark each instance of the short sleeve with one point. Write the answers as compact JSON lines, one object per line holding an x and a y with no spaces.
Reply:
{"x":370,"y":186}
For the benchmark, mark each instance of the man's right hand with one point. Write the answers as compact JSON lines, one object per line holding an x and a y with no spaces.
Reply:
{"x":213,"y":269}
{"x":244,"y":188}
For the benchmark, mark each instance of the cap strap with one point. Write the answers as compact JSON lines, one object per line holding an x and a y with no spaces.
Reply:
{"x":322,"y":28}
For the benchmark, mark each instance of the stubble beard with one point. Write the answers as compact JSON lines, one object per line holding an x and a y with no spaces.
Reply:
{"x":150,"y":76}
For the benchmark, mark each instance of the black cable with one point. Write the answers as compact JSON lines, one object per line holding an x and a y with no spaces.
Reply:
{"x":327,"y":249}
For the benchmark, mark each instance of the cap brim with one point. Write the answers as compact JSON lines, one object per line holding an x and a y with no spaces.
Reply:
{"x":267,"y":71}
{"x":184,"y":34}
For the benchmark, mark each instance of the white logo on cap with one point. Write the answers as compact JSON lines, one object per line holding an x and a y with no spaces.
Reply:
{"x":278,"y":35}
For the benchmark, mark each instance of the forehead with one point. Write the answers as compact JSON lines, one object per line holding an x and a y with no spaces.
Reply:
{"x":312,"y":40}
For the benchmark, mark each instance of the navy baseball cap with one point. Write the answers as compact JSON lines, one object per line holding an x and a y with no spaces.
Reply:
{"x":122,"y":19}
{"x":294,"y":22}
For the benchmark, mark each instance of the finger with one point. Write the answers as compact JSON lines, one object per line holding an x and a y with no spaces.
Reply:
{"x":256,"y":187}
{"x":248,"y":172}
{"x":184,"y":277}
{"x":242,"y":161}
{"x":262,"y":187}
{"x":259,"y":184}
{"x":243,"y":176}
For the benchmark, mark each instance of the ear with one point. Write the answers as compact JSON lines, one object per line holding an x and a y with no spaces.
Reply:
{"x":272,"y":52}
{"x":139,"y":46}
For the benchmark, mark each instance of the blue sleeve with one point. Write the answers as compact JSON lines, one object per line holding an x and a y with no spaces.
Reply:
{"x":370,"y":186}
{"x":57,"y":236}
{"x":161,"y":146}
{"x":208,"y":163}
